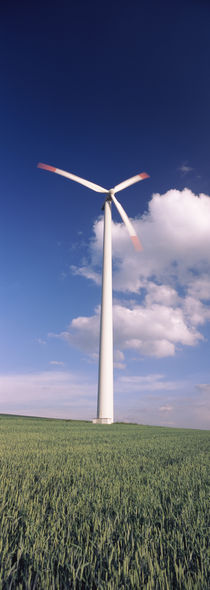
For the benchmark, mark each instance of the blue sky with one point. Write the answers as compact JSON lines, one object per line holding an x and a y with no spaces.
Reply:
{"x":105,"y":90}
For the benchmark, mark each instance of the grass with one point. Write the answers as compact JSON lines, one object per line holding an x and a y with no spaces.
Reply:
{"x":102,"y":507}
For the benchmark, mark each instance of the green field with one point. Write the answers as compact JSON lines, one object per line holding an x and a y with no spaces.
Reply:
{"x":102,"y":507}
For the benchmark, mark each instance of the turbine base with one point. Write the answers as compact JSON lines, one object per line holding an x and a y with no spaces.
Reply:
{"x":102,"y":421}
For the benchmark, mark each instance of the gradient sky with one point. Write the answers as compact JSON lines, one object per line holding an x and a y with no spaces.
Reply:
{"x":105,"y":90}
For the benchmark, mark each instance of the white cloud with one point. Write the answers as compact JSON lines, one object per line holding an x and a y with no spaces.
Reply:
{"x":119,"y":358}
{"x":175,"y":220}
{"x":64,"y":394}
{"x":204,"y":388}
{"x":185,"y":169}
{"x":200,"y":406}
{"x":57,"y":363}
{"x":199,"y":287}
{"x":154,"y":330}
{"x":196,"y":312}
{"x":155,"y":400}
{"x":83,"y":333}
{"x":162,"y":294}
{"x":88,"y":273}
{"x":166,"y":408}
{"x":145,"y":383}
{"x":48,"y":393}
{"x":171,"y":276}
{"x":150,"y":329}
{"x":176,"y":238}
{"x":146,"y":399}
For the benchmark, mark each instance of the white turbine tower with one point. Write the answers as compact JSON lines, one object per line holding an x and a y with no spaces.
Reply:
{"x":105,"y":412}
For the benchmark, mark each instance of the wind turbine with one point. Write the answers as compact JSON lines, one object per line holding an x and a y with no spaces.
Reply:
{"x":105,"y":412}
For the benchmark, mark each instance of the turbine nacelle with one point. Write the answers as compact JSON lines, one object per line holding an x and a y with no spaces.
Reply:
{"x":110,"y":195}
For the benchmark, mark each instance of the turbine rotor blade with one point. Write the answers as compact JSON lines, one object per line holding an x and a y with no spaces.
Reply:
{"x":132,"y":233}
{"x":132,"y":180}
{"x":91,"y":185}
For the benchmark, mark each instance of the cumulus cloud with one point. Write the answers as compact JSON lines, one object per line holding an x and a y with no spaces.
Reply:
{"x":196,"y":312}
{"x":83,"y":333}
{"x":153,"y":330}
{"x":176,"y":239}
{"x":199,"y":287}
{"x":150,"y":329}
{"x":170,"y":279}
